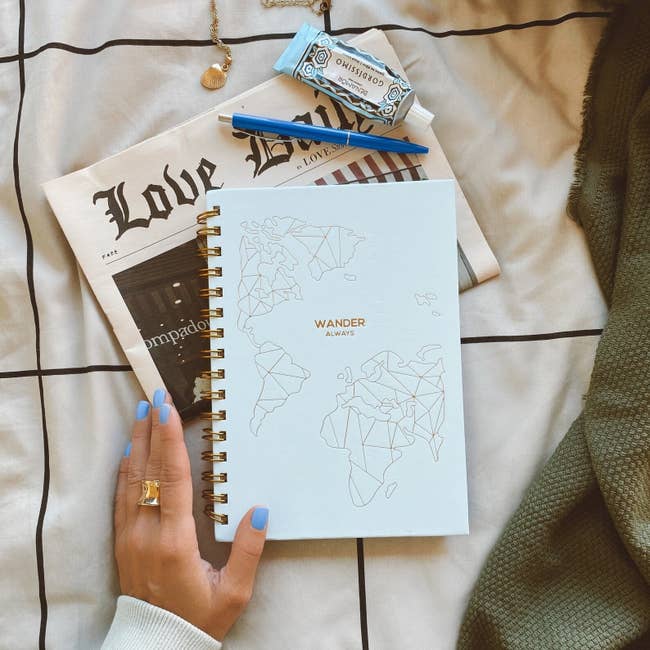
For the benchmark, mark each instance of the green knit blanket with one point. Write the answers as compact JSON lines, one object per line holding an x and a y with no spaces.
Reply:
{"x":572,"y":568}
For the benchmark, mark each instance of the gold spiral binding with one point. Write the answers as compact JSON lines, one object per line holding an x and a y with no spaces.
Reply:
{"x":214,"y":457}
{"x":204,"y":216}
{"x":210,"y":273}
{"x":209,"y":251}
{"x":213,"y":436}
{"x":220,"y":373}
{"x":209,"y":495}
{"x":213,"y":394}
{"x":211,"y":433}
{"x":213,"y":230}
{"x":210,"y":477}
{"x":215,"y":292}
{"x":212,"y":354}
{"x":213,"y":334}
{"x":219,"y":517}
{"x":215,"y":416}
{"x":212,"y":313}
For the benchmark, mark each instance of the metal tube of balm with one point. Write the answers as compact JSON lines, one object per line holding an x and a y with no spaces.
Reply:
{"x":355,"y":78}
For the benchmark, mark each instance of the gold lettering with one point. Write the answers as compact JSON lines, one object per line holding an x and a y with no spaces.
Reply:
{"x":340,"y":323}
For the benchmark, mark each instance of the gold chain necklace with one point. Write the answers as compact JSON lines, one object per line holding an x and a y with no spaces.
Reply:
{"x":216,"y":75}
{"x":317,"y":6}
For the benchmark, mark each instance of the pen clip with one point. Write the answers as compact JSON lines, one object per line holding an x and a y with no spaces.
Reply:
{"x":257,"y":134}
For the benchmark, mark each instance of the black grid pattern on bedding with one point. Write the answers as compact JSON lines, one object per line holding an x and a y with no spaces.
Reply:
{"x":39,"y":372}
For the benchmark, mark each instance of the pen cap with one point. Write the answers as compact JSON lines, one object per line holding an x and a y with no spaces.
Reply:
{"x":418,"y":117}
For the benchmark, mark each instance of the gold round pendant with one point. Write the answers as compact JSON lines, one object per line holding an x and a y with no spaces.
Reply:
{"x":214,"y":77}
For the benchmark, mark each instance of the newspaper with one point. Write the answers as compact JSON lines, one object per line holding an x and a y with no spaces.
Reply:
{"x":131,"y":218}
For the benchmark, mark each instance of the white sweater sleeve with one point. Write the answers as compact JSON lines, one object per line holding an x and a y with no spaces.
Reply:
{"x":137,"y":625}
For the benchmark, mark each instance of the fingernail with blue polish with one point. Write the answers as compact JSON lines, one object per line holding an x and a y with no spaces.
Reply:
{"x":159,"y":397}
{"x":142,"y":411}
{"x":127,"y":451}
{"x":259,"y":518}
{"x":163,"y":415}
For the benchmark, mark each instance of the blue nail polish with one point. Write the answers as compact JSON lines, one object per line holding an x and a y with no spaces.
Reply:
{"x":163,"y":415}
{"x":127,"y":451}
{"x":159,"y":397}
{"x":259,"y":518}
{"x":142,"y":411}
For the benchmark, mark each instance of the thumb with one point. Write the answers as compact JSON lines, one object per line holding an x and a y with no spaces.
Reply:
{"x":246,"y":550}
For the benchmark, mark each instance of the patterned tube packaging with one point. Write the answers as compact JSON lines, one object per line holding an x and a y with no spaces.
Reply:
{"x":355,"y":78}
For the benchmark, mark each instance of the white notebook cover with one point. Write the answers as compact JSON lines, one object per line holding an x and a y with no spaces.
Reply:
{"x":352,"y":427}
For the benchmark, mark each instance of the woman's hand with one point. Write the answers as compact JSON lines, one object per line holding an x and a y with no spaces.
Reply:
{"x":156,"y":547}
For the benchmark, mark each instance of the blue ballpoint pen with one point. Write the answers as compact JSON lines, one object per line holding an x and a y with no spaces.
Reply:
{"x":321,"y":133}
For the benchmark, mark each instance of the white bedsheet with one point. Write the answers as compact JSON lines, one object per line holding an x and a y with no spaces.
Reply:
{"x":507,"y":103}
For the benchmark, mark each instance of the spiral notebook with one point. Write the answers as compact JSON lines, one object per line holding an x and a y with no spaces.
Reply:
{"x":335,"y":360}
